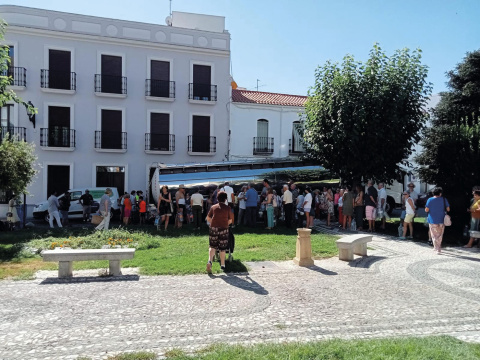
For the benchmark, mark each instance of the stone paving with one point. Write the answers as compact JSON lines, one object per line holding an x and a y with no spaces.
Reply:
{"x":401,"y":288}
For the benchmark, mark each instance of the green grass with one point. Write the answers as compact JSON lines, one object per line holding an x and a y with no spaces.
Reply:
{"x":176,"y":252}
{"x":425,"y":348}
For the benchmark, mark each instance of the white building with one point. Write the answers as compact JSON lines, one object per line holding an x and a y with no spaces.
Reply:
{"x":115,"y":98}
{"x":264,"y":125}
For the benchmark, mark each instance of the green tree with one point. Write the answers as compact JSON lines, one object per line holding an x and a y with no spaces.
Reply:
{"x":362,"y":119}
{"x":451,"y":145}
{"x":17,"y":158}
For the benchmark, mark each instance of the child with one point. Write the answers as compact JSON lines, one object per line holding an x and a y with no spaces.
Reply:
{"x":128,"y":209}
{"x":142,"y":206}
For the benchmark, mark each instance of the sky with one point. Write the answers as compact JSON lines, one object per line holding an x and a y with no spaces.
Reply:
{"x":282,"y":42}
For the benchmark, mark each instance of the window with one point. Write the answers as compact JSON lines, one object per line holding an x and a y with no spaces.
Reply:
{"x":201,"y":87}
{"x":111,"y":135}
{"x":58,"y":133}
{"x":59,"y":73}
{"x":58,"y":179}
{"x":262,"y":128}
{"x":160,"y":137}
{"x":262,"y":144}
{"x":160,"y":78}
{"x":110,"y":79}
{"x":200,"y":141}
{"x":296,"y":143}
{"x":6,"y":116}
{"x":75,"y":195}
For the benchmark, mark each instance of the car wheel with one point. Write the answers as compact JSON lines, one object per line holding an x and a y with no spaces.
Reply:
{"x":390,"y":205}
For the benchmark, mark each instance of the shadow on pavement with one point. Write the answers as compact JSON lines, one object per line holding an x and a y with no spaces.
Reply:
{"x":89,"y":279}
{"x":366,"y":261}
{"x":321,"y":270}
{"x":242,"y":282}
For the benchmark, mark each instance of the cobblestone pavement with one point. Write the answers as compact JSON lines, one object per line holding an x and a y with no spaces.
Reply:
{"x":401,"y":288}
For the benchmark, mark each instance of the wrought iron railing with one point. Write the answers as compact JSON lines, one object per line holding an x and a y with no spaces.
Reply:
{"x":295,"y":148}
{"x":18,"y":75}
{"x":160,"y":88}
{"x":203,"y":92}
{"x":159,"y":142}
{"x":57,"y":136}
{"x":115,"y":140}
{"x":19,"y":133}
{"x":202,"y":144}
{"x":62,"y":80}
{"x":262,"y":145}
{"x":110,"y":84}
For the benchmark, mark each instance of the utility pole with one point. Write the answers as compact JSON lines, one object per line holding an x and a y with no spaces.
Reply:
{"x":257,"y":83}
{"x":170,"y":7}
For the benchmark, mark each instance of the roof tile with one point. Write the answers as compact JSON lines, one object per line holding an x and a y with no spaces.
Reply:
{"x":259,"y":97}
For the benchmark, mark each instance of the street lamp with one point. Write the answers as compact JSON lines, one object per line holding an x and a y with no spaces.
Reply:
{"x":31,"y":113}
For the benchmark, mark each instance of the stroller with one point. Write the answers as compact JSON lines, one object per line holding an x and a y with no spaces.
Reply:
{"x":230,"y":249}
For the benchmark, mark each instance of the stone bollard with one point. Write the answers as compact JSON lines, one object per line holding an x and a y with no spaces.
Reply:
{"x":304,"y":248}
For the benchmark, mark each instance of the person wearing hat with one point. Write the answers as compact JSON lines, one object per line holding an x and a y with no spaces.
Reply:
{"x":105,"y":209}
{"x":180,"y":199}
{"x":86,"y":200}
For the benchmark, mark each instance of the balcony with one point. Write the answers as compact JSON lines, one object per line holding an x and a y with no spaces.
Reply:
{"x":202,"y":145}
{"x":58,"y":81}
{"x":57,"y":138}
{"x":202,"y":93}
{"x":19,"y":133}
{"x":295,"y":148}
{"x":159,"y":90}
{"x":18,"y":76}
{"x":110,"y":141}
{"x":262,"y":146}
{"x":159,"y":143}
{"x":110,"y":85}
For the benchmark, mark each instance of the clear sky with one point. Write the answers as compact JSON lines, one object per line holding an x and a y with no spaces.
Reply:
{"x":281,"y":42}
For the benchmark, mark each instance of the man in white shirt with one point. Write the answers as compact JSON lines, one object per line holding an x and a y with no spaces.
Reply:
{"x":241,"y":206}
{"x":53,"y":206}
{"x":230,"y":196}
{"x":382,"y":203}
{"x":287,"y":205}
{"x":196,"y":201}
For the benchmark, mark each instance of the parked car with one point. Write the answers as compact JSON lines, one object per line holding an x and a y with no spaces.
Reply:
{"x":76,"y":210}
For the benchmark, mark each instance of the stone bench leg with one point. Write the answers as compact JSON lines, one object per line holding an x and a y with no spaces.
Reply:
{"x":360,"y":249}
{"x":65,"y":269}
{"x":345,"y":254}
{"x":114,"y":268}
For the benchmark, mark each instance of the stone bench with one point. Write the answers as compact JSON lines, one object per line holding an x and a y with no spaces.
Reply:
{"x":352,"y":244}
{"x":66,"y":258}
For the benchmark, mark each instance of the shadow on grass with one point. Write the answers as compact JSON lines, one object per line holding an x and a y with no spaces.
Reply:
{"x":89,"y":279}
{"x":243,"y":282}
{"x":10,"y":251}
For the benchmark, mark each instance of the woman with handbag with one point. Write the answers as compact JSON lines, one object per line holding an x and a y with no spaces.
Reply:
{"x":164,"y":207}
{"x":437,"y":208}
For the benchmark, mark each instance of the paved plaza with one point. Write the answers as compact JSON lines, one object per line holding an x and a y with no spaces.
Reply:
{"x":401,"y":288}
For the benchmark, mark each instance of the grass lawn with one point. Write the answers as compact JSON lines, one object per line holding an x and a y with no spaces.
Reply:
{"x":176,"y":252}
{"x":438,"y":348}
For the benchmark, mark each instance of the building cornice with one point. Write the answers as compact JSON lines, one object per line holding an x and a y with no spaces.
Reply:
{"x":112,"y":30}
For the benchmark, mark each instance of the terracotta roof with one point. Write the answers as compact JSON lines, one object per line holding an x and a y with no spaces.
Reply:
{"x":259,"y":97}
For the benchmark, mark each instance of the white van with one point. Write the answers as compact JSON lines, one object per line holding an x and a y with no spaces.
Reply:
{"x":76,"y":210}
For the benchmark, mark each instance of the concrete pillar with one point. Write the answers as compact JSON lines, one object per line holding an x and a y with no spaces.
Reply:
{"x":114,"y":268}
{"x":65,"y":269}
{"x":304,"y":248}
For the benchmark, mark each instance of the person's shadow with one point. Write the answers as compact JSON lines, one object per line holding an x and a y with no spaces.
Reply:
{"x":243,"y":282}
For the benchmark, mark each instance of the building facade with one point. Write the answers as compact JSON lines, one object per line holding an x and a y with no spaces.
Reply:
{"x":116,"y":98}
{"x":265,"y":125}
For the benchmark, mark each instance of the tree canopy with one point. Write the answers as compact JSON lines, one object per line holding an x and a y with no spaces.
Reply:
{"x":362,"y":119}
{"x":17,"y":158}
{"x":451,"y":146}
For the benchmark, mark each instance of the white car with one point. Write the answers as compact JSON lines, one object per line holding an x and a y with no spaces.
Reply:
{"x":76,"y":210}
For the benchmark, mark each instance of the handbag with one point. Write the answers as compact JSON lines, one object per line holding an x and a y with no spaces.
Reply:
{"x":447,"y":220}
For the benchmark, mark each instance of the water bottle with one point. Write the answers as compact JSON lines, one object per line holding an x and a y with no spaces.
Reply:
{"x":400,"y":230}
{"x":353,"y":227}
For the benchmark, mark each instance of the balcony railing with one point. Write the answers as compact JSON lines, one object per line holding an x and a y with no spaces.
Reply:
{"x":202,"y":144}
{"x":110,"y":84}
{"x":159,"y":142}
{"x":57,"y":136}
{"x":19,"y":133}
{"x":295,"y":148}
{"x":202,"y":92}
{"x":262,"y":145}
{"x":62,"y":80}
{"x":114,"y":140}
{"x":160,"y":88}
{"x":18,"y":75}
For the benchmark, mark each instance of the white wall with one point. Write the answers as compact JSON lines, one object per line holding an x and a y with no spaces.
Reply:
{"x":243,"y":124}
